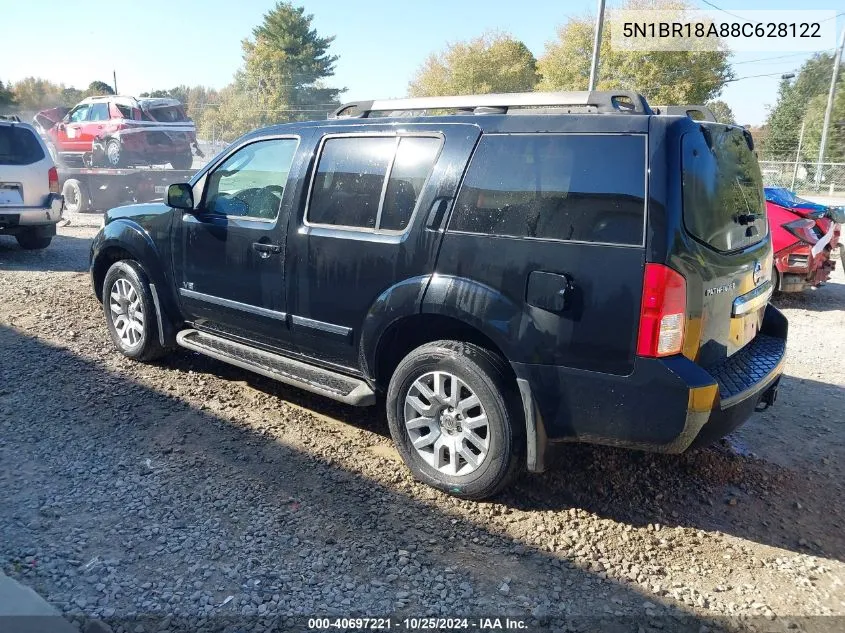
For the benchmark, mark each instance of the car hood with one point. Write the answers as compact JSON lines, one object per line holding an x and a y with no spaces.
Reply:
{"x":138,"y":212}
{"x":48,"y":118}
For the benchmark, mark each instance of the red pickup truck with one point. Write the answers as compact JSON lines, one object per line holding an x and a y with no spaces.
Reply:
{"x":119,"y":131}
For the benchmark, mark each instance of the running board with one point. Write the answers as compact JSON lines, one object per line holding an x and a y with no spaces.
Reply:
{"x":287,"y":370}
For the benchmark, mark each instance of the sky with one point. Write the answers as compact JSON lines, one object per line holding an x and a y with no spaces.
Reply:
{"x":159,"y":44}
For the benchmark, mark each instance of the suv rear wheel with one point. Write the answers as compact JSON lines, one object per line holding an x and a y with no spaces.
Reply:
{"x":113,"y":153}
{"x":32,"y":240}
{"x":452,"y":416}
{"x":184,"y":161}
{"x":130,"y":312}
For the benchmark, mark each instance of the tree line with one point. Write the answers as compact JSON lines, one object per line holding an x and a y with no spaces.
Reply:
{"x":287,"y":67}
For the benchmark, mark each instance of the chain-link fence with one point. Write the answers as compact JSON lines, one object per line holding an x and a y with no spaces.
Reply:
{"x":804,"y":177}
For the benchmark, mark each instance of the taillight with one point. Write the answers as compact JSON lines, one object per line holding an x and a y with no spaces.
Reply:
{"x":803,"y":230}
{"x":663,"y":312}
{"x":53,"y":180}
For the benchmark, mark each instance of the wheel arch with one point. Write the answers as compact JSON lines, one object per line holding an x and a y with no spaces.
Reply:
{"x":409,"y":332}
{"x":120,"y":240}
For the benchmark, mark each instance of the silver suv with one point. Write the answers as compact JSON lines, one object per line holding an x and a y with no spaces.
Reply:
{"x":30,"y":203}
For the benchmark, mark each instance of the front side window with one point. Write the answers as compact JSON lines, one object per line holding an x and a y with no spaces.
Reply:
{"x":79,"y":113}
{"x":570,"y":187}
{"x":251,"y":182}
{"x":371,"y":183}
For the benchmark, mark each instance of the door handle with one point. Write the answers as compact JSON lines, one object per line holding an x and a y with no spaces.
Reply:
{"x":437,"y":213}
{"x":264,"y":250}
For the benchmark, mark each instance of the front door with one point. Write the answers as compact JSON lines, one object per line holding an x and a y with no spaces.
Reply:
{"x":232,"y":246}
{"x":69,"y":136}
{"x":371,"y":223}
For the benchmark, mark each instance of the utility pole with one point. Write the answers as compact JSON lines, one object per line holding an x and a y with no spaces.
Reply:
{"x":797,"y":156}
{"x":594,"y":68}
{"x":837,"y":58}
{"x":114,"y":76}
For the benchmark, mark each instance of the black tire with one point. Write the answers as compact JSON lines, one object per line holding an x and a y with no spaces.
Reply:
{"x":76,"y":196}
{"x":114,"y":153}
{"x":486,"y":375}
{"x":32,"y":241}
{"x":184,"y":161}
{"x":775,"y":280}
{"x":147,"y":346}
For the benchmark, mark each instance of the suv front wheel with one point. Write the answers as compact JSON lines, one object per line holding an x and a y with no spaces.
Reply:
{"x":130,"y":312}
{"x":452,"y":415}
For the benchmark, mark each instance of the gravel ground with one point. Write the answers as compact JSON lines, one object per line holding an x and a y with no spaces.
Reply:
{"x":190,"y":494}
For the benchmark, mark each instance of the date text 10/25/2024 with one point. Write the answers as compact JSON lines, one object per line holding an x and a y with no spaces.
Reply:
{"x":418,"y":624}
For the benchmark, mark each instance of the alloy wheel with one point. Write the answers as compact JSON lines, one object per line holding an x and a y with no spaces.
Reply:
{"x":446,"y":423}
{"x":126,"y":314}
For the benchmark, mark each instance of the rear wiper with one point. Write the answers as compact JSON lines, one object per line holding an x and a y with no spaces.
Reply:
{"x":747,"y":218}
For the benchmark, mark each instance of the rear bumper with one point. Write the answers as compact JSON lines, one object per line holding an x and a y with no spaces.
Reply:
{"x":14,"y":219}
{"x":665,"y":405}
{"x":801,"y":267}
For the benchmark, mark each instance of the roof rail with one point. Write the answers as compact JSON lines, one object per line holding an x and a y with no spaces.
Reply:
{"x":695,"y":112}
{"x":617,"y":101}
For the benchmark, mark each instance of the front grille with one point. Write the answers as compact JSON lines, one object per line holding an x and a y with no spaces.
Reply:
{"x":749,"y":365}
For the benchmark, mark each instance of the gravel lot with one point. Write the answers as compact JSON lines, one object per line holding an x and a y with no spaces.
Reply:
{"x":198,"y":491}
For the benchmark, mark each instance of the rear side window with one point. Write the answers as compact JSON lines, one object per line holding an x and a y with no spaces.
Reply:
{"x":724,"y":203}
{"x":99,"y":112}
{"x":19,"y":146}
{"x":570,"y":187}
{"x":414,"y":160}
{"x":371,"y":183}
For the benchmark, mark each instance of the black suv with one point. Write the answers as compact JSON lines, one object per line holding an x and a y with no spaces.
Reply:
{"x":513,"y":272}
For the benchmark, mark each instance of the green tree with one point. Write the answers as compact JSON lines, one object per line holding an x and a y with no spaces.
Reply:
{"x":7,"y":97}
{"x":71,"y":96}
{"x":835,"y":148}
{"x":793,"y":106}
{"x":286,"y":63}
{"x":664,"y":77}
{"x":722,"y":111}
{"x":494,"y":62}
{"x":98,"y":88}
{"x":34,"y":93}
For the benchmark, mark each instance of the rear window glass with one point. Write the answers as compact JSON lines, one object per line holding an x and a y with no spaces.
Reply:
{"x":572,"y":187}
{"x":724,"y":203}
{"x":349,"y":180}
{"x":411,"y":167}
{"x":371,"y":183}
{"x":168,"y":114}
{"x":19,"y":146}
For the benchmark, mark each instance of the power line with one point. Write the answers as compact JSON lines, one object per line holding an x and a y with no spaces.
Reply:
{"x":753,"y":77}
{"x":739,"y":17}
{"x":765,"y":59}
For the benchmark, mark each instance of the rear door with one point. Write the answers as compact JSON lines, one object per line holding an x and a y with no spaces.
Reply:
{"x":377,"y":197}
{"x":555,"y":223}
{"x":98,"y":118}
{"x":728,"y":261}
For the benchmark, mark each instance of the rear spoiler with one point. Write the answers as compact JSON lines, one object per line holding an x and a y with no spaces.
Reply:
{"x":695,"y":112}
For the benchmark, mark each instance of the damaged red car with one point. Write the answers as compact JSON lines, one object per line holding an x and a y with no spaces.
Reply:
{"x":805,"y":237}
{"x":118,"y":131}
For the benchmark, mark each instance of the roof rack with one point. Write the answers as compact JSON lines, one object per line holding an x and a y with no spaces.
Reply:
{"x":695,"y":112}
{"x":616,"y":101}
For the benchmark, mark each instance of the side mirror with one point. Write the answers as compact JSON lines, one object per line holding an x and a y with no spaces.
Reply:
{"x":180,"y":195}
